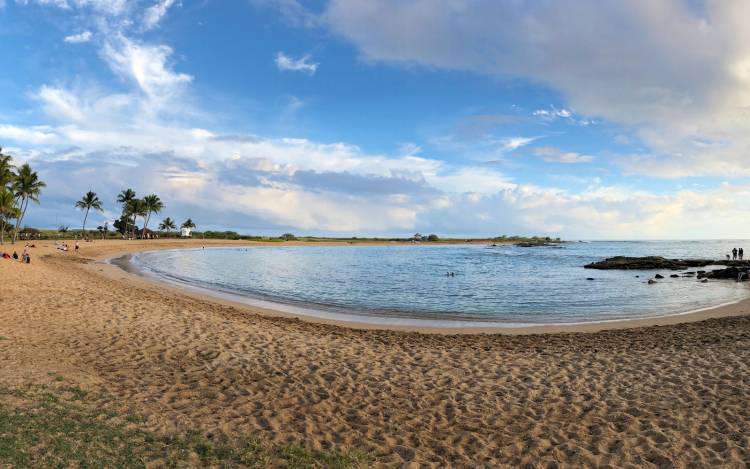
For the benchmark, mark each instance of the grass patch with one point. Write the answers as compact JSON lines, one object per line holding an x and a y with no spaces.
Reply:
{"x":67,"y":428}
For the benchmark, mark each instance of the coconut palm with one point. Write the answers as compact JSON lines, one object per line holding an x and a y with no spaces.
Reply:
{"x":188,"y":224}
{"x":8,"y":210}
{"x":167,"y":225}
{"x":89,"y":201}
{"x":26,"y":188}
{"x":124,"y":199}
{"x":6,"y":169}
{"x":153,"y":205}
{"x":137,"y":208}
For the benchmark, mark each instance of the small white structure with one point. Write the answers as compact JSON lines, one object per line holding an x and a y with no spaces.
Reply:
{"x":186,"y":232}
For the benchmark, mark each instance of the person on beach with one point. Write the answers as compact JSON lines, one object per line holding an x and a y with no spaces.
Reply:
{"x":77,"y":247}
{"x":15,"y":255}
{"x":734,"y":254}
{"x":741,"y":253}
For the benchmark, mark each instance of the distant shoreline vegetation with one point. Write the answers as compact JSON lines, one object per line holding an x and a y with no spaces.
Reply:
{"x":21,"y":185}
{"x":67,"y":233}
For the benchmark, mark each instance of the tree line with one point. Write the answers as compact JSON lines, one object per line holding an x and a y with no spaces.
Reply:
{"x":19,"y":186}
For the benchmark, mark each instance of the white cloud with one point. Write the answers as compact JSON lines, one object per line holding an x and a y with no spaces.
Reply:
{"x":84,"y":36}
{"x":33,"y":135}
{"x":147,"y":66}
{"x":284,"y":62}
{"x":514,"y":143}
{"x":555,"y":155}
{"x":109,"y":7}
{"x":671,"y":71}
{"x":155,"y":13}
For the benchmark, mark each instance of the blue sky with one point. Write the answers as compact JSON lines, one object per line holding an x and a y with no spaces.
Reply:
{"x":378,"y":117}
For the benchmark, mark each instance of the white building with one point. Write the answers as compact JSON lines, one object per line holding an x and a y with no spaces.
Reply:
{"x":186,"y":232}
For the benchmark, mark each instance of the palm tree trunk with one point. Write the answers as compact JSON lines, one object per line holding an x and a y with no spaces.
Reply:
{"x":2,"y":232}
{"x":145,"y":224}
{"x":19,"y":220}
{"x":85,"y":217}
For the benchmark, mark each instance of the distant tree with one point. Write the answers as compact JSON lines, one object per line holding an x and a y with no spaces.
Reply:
{"x":122,"y":224}
{"x":137,"y":208}
{"x":188,"y":224}
{"x":63,"y":230}
{"x":152,"y":204}
{"x":167,"y":225}
{"x":288,"y":237}
{"x":27,"y":186}
{"x":433,"y":237}
{"x":90,"y":200}
{"x":125,"y":198}
{"x":8,"y":210}
{"x":6,"y":170}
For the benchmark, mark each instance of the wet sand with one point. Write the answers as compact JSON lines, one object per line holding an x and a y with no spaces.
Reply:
{"x":660,"y":396}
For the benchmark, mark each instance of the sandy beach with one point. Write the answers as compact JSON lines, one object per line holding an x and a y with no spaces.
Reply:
{"x":666,"y":392}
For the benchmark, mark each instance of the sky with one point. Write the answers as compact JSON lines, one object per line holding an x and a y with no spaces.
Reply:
{"x":579,"y":119}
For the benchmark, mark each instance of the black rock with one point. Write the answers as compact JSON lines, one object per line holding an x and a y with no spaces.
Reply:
{"x":675,"y":276}
{"x":658,"y":276}
{"x":648,"y":263}
{"x":589,"y":278}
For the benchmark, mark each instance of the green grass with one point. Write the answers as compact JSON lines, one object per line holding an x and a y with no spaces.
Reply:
{"x":65,"y":427}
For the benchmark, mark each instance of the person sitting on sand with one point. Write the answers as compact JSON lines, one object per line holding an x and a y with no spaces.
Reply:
{"x":6,"y":255}
{"x":15,"y":255}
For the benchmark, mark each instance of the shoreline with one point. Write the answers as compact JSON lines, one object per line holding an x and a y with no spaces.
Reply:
{"x":352,"y":321}
{"x":187,"y":364}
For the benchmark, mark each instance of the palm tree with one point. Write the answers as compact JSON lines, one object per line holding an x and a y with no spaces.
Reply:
{"x":89,"y":201}
{"x":124,"y":199}
{"x":188,"y":224}
{"x":6,"y":169}
{"x":137,"y":208}
{"x":153,"y":205}
{"x":27,"y":187}
{"x":167,"y":225}
{"x":8,"y":210}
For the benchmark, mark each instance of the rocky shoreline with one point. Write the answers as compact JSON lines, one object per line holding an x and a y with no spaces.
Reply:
{"x":733,"y":269}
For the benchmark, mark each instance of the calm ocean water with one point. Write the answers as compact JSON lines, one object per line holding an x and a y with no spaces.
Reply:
{"x":408,"y":284}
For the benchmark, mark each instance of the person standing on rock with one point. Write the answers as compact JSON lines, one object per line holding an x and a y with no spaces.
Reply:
{"x":734,"y":254}
{"x":741,"y":253}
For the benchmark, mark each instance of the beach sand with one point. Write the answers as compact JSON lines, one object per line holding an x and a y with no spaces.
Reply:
{"x":674,"y":395}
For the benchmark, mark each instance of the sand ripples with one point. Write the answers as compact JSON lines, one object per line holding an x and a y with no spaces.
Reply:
{"x":673,"y":396}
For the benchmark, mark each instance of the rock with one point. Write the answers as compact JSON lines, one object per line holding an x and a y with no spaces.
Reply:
{"x":705,"y":280}
{"x":652,"y":281}
{"x":648,"y":263}
{"x":733,"y":273}
{"x":658,"y":276}
{"x":675,"y":276}
{"x":589,"y":278}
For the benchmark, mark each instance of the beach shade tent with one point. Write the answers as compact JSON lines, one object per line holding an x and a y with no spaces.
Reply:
{"x":186,"y":232}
